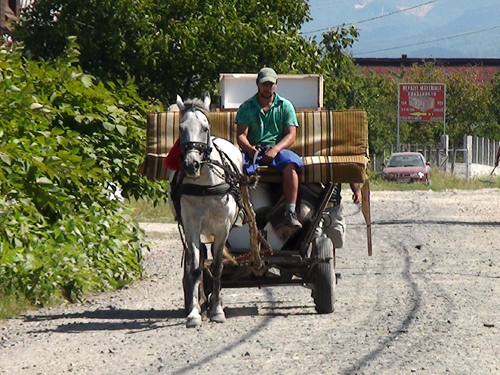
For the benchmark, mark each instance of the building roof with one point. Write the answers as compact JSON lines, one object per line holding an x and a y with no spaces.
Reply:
{"x":485,"y":68}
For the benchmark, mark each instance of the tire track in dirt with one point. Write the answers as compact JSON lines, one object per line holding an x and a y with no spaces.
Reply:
{"x":417,"y":306}
{"x":406,"y":215}
{"x":413,"y":305}
{"x":236,"y":342}
{"x":425,"y":293}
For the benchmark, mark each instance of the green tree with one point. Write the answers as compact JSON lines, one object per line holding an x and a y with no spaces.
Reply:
{"x":467,"y":105}
{"x":494,"y":104}
{"x":171,"y":47}
{"x":377,"y":95}
{"x":338,"y":68}
{"x":63,"y":137}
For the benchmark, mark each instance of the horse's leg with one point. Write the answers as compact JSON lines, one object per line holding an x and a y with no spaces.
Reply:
{"x":216,"y":313}
{"x":203,"y":289}
{"x":192,"y":277}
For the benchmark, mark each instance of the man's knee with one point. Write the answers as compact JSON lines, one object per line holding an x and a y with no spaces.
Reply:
{"x":290,"y":168}
{"x":290,"y":175}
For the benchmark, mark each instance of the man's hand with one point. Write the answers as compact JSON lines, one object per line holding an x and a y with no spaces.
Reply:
{"x":356,"y":192}
{"x":269,"y":156}
{"x":253,"y":152}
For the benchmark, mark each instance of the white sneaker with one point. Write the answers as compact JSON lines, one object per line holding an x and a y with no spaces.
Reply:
{"x":292,"y":220}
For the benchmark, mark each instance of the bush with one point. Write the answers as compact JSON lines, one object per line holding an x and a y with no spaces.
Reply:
{"x":65,"y":141}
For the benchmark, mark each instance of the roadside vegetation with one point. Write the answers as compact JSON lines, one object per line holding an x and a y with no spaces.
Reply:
{"x":77,"y":82}
{"x":144,"y":211}
{"x":440,"y":181}
{"x":66,"y":142}
{"x":181,"y":47}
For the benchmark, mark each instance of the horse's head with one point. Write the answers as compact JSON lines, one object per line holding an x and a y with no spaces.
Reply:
{"x":194,"y":134}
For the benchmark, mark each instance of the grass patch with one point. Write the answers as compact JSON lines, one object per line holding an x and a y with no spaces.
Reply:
{"x":440,"y":181}
{"x":146,"y":211}
{"x":12,"y":305}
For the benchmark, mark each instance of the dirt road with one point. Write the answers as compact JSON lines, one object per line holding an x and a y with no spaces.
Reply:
{"x":426,"y":302}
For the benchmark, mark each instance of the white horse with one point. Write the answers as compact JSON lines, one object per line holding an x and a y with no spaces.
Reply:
{"x":208,"y":205}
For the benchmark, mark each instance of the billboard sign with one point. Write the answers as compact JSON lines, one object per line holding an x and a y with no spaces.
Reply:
{"x":422,"y":101}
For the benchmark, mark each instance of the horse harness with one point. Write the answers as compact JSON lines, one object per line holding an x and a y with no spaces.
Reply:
{"x":231,"y":176}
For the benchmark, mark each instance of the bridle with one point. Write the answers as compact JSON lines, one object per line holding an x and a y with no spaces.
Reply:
{"x":229,"y":172}
{"x":202,"y":147}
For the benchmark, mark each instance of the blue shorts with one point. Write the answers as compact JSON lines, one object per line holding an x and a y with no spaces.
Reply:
{"x":279,"y":163}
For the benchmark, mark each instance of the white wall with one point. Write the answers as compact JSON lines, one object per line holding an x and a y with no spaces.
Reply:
{"x":303,"y":90}
{"x":477,"y":170}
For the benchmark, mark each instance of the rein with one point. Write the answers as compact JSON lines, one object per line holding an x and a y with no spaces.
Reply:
{"x":231,"y":177}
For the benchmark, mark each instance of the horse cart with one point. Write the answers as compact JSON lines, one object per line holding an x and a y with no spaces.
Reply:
{"x":259,"y":250}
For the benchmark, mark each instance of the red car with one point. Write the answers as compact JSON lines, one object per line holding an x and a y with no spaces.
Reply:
{"x":407,"y":167}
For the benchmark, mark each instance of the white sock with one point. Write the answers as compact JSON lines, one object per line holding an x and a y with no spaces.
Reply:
{"x":290,"y":207}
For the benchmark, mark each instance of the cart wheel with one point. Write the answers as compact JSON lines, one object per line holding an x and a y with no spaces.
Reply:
{"x":324,"y":277}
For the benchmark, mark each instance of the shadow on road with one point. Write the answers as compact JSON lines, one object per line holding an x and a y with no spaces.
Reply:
{"x":440,"y":222}
{"x":111,"y":320}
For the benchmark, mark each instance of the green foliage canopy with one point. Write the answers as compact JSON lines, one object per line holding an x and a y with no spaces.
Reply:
{"x":171,"y":47}
{"x":63,"y":137}
{"x":494,"y":103}
{"x":467,"y":105}
{"x":181,"y":47}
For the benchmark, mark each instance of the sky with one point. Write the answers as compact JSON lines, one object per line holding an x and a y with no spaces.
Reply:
{"x":417,"y":28}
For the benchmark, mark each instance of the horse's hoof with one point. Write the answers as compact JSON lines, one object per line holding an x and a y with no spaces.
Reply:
{"x":193,"y":319}
{"x":218,"y":318}
{"x":193,"y":322}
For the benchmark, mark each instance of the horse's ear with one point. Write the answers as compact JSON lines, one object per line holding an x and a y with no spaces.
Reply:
{"x":180,"y":103}
{"x":207,"y":100}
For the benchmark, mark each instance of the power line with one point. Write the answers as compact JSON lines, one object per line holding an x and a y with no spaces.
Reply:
{"x":430,"y":41}
{"x":374,"y":18}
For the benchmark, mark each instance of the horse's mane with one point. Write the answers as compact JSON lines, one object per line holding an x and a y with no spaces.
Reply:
{"x":195,"y":105}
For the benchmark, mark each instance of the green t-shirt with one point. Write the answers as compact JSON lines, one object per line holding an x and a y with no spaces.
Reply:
{"x":266,"y":128}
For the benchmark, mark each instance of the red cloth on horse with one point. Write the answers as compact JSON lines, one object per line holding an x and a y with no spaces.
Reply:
{"x":173,"y":159}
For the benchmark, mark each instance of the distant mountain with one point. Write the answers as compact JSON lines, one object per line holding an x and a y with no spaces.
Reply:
{"x":480,"y":44}
{"x":445,"y":20}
